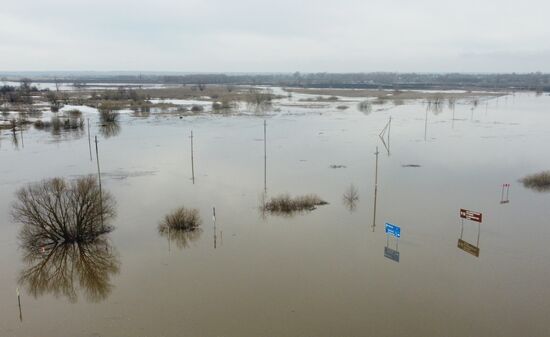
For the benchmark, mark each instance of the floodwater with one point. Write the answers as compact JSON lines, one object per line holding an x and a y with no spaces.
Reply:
{"x":328,"y":272}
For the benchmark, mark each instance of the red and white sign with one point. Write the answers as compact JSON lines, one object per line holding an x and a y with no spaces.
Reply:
{"x":470,"y":215}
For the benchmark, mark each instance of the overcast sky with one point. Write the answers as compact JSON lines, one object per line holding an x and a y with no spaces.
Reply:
{"x":276,"y":36}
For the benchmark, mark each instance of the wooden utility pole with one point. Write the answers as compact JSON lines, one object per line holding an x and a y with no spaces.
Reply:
{"x":192,"y":160}
{"x":89,"y":140}
{"x":265,"y":156}
{"x":375,"y":189}
{"x":99,"y":180}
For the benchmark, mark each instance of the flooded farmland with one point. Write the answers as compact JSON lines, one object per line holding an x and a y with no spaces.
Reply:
{"x":327,"y":270}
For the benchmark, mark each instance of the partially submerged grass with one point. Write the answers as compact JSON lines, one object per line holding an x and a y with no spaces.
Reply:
{"x":74,"y":113}
{"x":181,"y":219}
{"x":365,"y":107}
{"x":108,"y":111}
{"x":197,"y":108}
{"x":392,"y":95}
{"x":285,"y":204}
{"x":539,"y":181}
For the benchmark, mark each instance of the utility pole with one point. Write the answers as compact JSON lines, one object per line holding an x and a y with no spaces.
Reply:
{"x":375,"y":189}
{"x":265,"y":156}
{"x":192,"y":160}
{"x":99,"y":180}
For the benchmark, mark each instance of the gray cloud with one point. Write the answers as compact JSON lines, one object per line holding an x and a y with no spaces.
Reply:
{"x":245,"y":35}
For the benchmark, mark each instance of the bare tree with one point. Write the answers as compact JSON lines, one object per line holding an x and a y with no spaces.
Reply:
{"x":57,"y":211}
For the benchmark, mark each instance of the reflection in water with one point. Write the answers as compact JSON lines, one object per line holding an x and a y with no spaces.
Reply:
{"x":435,"y":105}
{"x":351,"y":197}
{"x":63,"y":238}
{"x":466,"y":246}
{"x":110,"y":129}
{"x":382,"y":134}
{"x":181,"y":237}
{"x":63,"y":268}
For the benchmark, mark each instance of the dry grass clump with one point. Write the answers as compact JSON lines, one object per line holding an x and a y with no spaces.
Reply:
{"x":108,"y":111}
{"x":538,"y":181}
{"x":342,"y":107}
{"x":285,"y":204}
{"x":74,"y":113}
{"x":181,"y":219}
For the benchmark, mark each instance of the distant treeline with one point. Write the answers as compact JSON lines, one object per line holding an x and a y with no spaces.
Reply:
{"x":527,"y":81}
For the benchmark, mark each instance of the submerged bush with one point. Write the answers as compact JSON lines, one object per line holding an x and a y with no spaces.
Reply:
{"x":57,"y":211}
{"x":538,"y":181}
{"x":108,"y":111}
{"x":181,"y":219}
{"x":285,"y":204}
{"x":365,"y":107}
{"x":258,"y":97}
{"x":197,"y":108}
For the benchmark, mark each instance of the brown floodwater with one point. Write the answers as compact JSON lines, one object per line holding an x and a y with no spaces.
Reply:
{"x":328,"y":272}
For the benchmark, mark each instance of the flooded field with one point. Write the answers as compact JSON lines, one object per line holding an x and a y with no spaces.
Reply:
{"x":327,"y":271}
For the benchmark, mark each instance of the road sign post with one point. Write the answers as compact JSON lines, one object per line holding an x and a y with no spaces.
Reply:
{"x":472,"y":216}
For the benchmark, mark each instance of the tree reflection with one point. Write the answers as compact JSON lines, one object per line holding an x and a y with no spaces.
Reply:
{"x":63,"y":238}
{"x":63,"y":268}
{"x":350,"y":198}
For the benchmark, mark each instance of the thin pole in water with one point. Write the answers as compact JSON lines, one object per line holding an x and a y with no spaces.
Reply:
{"x":265,"y":156}
{"x":389,"y":131}
{"x":375,"y":189}
{"x":192,"y":160}
{"x":214,"y":220}
{"x":22,"y":141}
{"x":89,"y":140}
{"x":99,"y":180}
{"x":19,"y":302}
{"x":426,"y":126}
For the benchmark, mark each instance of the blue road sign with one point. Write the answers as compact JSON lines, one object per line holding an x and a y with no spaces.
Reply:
{"x":393,"y":230}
